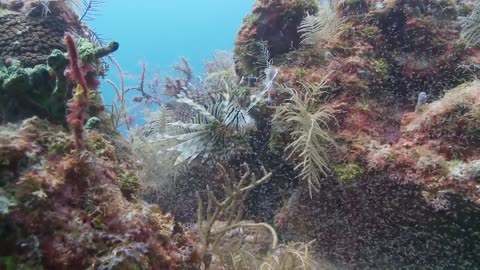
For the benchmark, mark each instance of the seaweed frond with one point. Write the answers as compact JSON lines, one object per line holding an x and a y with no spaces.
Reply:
{"x":321,"y":28}
{"x":95,"y":38}
{"x":222,"y":61}
{"x":84,"y":9}
{"x":45,"y":6}
{"x":74,"y":5}
{"x":308,"y":121}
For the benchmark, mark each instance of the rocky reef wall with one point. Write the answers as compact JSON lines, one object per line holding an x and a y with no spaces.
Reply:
{"x":402,"y":191}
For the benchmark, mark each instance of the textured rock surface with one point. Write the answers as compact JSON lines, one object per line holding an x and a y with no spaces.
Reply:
{"x":30,"y":39}
{"x":384,"y":223}
{"x":403,"y":190}
{"x":273,"y":22}
{"x":43,"y":90}
{"x":68,"y":210}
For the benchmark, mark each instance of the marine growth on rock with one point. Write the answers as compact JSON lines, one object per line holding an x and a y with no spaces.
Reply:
{"x":340,"y":134}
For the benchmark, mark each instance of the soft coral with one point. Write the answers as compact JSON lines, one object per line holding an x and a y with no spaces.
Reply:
{"x":79,"y":103}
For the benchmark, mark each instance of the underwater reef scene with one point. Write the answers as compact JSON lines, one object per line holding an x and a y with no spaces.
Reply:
{"x":340,"y":134}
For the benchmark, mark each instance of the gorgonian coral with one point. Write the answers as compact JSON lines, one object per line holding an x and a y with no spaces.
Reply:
{"x":79,"y":104}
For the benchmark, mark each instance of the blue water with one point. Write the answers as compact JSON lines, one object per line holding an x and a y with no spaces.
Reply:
{"x":158,"y":32}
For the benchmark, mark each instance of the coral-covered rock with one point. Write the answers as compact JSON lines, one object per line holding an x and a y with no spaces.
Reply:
{"x":273,"y":22}
{"x":388,"y":197}
{"x":447,"y":129}
{"x":377,"y":221}
{"x":43,"y":89}
{"x":352,"y":7}
{"x":66,"y":209}
{"x":396,"y":48}
{"x":455,"y":118}
{"x":403,"y":190}
{"x":30,"y":39}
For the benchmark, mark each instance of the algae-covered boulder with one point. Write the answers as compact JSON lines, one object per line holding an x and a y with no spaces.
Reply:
{"x":409,"y":197}
{"x":402,"y":190}
{"x":32,"y":62}
{"x":453,"y":119}
{"x":273,"y":23}
{"x":43,"y":90}
{"x":60,"y":209}
{"x":396,"y":48}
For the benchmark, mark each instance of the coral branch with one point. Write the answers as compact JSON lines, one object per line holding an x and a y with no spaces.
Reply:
{"x":230,"y":207}
{"x":79,"y":103}
{"x":76,"y":72}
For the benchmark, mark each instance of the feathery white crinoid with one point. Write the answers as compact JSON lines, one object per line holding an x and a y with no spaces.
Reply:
{"x":471,"y":27}
{"x":308,"y":121}
{"x":320,"y":28}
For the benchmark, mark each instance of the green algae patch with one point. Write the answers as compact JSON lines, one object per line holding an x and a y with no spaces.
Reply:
{"x":129,"y":184}
{"x":348,"y":172}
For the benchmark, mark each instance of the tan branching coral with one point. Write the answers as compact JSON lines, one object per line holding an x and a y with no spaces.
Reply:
{"x":290,"y":256}
{"x":230,"y":208}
